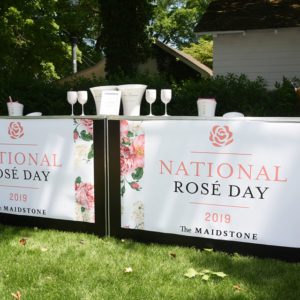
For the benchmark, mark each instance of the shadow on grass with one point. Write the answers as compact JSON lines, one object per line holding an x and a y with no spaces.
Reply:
{"x":8,"y":233}
{"x":280,"y":279}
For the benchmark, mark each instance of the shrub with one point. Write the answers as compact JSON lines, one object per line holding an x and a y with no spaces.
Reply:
{"x":236,"y":93}
{"x":232,"y":92}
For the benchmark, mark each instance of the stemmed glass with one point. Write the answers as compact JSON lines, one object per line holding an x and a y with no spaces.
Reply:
{"x":82,"y":99}
{"x":150,"y":98}
{"x":72,"y":99}
{"x":166,"y":96}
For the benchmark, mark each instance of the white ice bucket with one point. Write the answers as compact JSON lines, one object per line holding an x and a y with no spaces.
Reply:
{"x":206,"y":107}
{"x":15,"y":108}
{"x":97,"y":94}
{"x":132,"y":95}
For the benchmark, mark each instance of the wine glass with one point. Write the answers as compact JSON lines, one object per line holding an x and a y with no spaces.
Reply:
{"x":166,"y":96}
{"x":82,"y":99}
{"x":72,"y":99}
{"x":150,"y":98}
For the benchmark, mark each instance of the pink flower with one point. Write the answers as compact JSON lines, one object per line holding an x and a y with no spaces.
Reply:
{"x":135,"y":185}
{"x":75,"y":135}
{"x":131,"y":152}
{"x":138,"y":146}
{"x":15,"y":130}
{"x":84,"y":194}
{"x":123,"y":128}
{"x":221,"y":136}
{"x":126,"y":151}
{"x":127,"y":165}
{"x":88,"y":124}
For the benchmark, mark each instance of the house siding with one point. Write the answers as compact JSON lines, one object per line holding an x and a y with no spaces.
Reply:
{"x":259,"y":53}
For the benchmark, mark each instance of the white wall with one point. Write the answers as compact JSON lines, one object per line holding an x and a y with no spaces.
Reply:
{"x":259,"y":53}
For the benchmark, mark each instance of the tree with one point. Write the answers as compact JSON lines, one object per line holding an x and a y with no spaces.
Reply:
{"x":30,"y":40}
{"x":123,"y":36}
{"x":81,"y":19}
{"x":35,"y":37}
{"x":174,"y":20}
{"x":202,"y":51}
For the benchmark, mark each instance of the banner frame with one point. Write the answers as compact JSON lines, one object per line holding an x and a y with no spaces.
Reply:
{"x":115,"y":230}
{"x":100,"y":225}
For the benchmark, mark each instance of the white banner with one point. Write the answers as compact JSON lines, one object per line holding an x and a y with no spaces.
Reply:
{"x":229,"y":180}
{"x":46,"y":168}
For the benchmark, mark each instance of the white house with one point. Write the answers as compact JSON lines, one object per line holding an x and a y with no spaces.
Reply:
{"x":256,"y":38}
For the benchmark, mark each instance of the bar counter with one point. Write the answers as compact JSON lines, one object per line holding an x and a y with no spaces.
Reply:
{"x":223,"y":183}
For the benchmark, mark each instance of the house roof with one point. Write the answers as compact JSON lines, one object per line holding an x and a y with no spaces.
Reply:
{"x":186,"y":59}
{"x":232,"y":15}
{"x":99,"y":69}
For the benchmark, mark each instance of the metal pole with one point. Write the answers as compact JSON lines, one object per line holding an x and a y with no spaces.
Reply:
{"x":74,"y":41}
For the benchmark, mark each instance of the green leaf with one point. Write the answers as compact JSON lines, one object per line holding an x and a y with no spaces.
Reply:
{"x":86,"y":136}
{"x":91,"y":153}
{"x":122,"y":190}
{"x":205,"y":277}
{"x":220,"y":274}
{"x":78,"y":180}
{"x":130,"y":134}
{"x":139,"y":172}
{"x":191,"y":273}
{"x":82,"y":209}
{"x":126,"y":143}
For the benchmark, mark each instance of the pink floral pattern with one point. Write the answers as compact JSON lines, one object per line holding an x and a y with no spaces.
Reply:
{"x":132,"y":147}
{"x":88,"y":124}
{"x":84,"y":130}
{"x":221,"y":136}
{"x":84,"y":193}
{"x":85,"y":198}
{"x":15,"y":130}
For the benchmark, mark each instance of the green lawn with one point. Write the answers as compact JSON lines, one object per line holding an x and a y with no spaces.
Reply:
{"x":44,"y":264}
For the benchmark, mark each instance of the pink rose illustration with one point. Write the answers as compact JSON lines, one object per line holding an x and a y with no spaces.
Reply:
{"x":83,"y":132}
{"x":88,"y":124}
{"x":132,"y":148}
{"x":135,"y":185}
{"x":127,"y":165}
{"x":123,"y":128}
{"x":138,"y":146}
{"x":126,"y":159}
{"x":15,"y":130}
{"x":221,"y":136}
{"x":75,"y":135}
{"x":84,"y":194}
{"x":132,"y":156}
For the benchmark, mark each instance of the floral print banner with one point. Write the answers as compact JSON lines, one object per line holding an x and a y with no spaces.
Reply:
{"x":84,"y":158}
{"x":132,"y":148}
{"x":218,"y":179}
{"x":47,"y":168}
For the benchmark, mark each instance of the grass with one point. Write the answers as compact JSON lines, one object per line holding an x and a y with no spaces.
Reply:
{"x":47,"y":264}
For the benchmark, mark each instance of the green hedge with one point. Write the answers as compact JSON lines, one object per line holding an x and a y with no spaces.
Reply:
{"x":233,"y":93}
{"x":237,"y":93}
